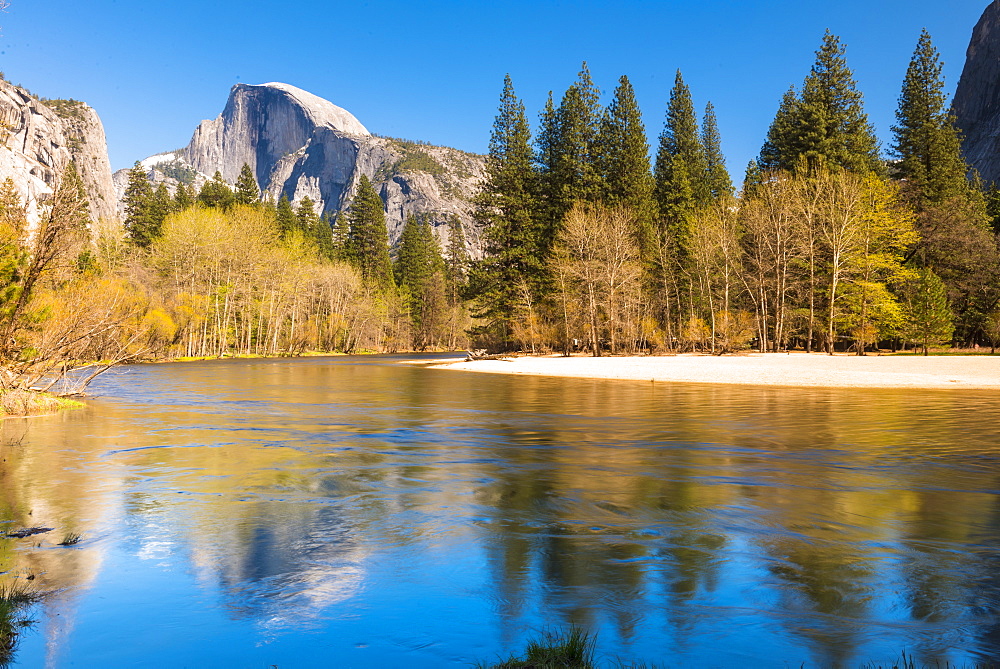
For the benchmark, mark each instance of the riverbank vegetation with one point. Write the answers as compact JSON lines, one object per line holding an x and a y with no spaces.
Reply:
{"x":15,"y":598}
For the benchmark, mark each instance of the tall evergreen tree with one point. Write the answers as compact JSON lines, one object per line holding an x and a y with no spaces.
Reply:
{"x":247,"y":191}
{"x":720,"y":184}
{"x":162,"y":206}
{"x":929,"y":318}
{"x":340,"y":232}
{"x":826,"y":124}
{"x":285,"y":214}
{"x":368,"y":241}
{"x":781,"y":150}
{"x":624,"y":160}
{"x":323,"y":235}
{"x":575,"y":172}
{"x":681,"y":167}
{"x":926,"y":141}
{"x":419,"y":256}
{"x":456,"y":260}
{"x":306,"y":218}
{"x":140,"y":215}
{"x":507,"y":208}
{"x":183,"y":198}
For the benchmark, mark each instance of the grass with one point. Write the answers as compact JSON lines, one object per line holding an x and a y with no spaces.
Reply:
{"x":20,"y":402}
{"x":574,"y":649}
{"x":15,"y":597}
{"x":71,"y":539}
{"x":570,"y":649}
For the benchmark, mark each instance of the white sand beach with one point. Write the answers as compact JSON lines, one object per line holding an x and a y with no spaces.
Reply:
{"x":764,"y":369}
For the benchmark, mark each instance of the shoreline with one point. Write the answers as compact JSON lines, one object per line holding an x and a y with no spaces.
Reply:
{"x":797,"y":370}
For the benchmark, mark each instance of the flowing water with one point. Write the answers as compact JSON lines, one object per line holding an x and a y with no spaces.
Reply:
{"x":357,"y":512}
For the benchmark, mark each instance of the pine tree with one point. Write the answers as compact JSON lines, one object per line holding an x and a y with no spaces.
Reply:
{"x":323,"y":235}
{"x":419,"y":256}
{"x":575,"y":173}
{"x":926,"y":141}
{"x":140,"y":216}
{"x":930,"y":318}
{"x":624,"y":160}
{"x":781,"y":150}
{"x":183,"y":197}
{"x":681,"y":167}
{"x":306,"y":219}
{"x":506,"y":207}
{"x":216,"y":192}
{"x":368,"y":241}
{"x":340,"y":233}
{"x":247,"y":191}
{"x":720,"y":184}
{"x":162,"y":205}
{"x":456,"y":260}
{"x":826,"y":124}
{"x":549,"y":207}
{"x":285,"y":216}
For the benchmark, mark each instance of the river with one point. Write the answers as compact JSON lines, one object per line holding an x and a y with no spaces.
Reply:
{"x":358,"y":512}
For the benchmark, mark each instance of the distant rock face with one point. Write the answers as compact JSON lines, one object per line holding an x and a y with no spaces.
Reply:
{"x":301,"y":145}
{"x":37,"y":141}
{"x":977,"y":100}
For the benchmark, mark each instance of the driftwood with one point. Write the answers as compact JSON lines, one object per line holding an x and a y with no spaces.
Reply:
{"x":27,"y":532}
{"x":481,"y":354}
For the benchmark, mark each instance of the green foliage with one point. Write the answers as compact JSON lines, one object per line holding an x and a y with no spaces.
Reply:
{"x":826,"y":124}
{"x":15,"y":598}
{"x":339,"y":235}
{"x":926,"y":141}
{"x":720,"y":184}
{"x":515,"y":245}
{"x":575,"y":174}
{"x":183,"y":197}
{"x":323,"y":236}
{"x":623,"y":156}
{"x":929,"y":318}
{"x":456,"y":260}
{"x":306,"y":218}
{"x":681,"y":168}
{"x":141,"y":215}
{"x":419,"y":273}
{"x":571,"y":649}
{"x":368,"y":239}
{"x":216,"y":193}
{"x":247,"y":191}
{"x":287,"y":221}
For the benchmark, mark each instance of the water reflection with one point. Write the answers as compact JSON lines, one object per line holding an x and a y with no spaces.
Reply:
{"x":373,"y":514}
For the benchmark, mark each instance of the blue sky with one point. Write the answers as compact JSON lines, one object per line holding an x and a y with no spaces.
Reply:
{"x":433,"y":70}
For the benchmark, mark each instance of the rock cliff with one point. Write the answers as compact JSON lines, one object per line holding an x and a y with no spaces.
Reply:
{"x":39,"y":138}
{"x":977,"y":100}
{"x":301,"y":145}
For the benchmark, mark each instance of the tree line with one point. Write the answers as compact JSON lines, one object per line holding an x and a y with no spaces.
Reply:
{"x":589,"y":245}
{"x":826,"y":246}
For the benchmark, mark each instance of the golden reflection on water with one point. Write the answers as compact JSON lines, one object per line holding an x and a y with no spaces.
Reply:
{"x":832,"y":518}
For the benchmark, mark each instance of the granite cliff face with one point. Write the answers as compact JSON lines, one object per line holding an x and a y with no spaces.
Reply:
{"x":301,"y":145}
{"x":977,"y":100}
{"x":38,"y":139}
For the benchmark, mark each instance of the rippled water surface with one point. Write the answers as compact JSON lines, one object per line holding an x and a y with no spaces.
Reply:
{"x":356,"y":512}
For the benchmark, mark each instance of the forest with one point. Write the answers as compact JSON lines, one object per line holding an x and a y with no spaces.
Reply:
{"x":594,"y":243}
{"x":827,"y":246}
